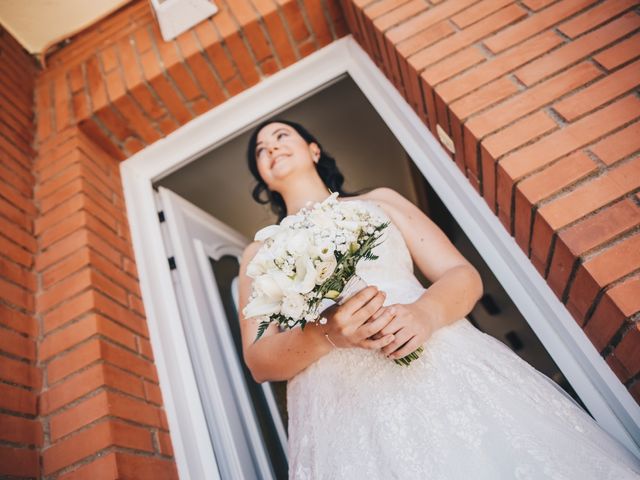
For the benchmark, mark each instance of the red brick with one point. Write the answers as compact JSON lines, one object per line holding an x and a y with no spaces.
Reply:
{"x":426,"y":19}
{"x":601,"y":270}
{"x":18,"y":321}
{"x":79,"y":331}
{"x":452,"y":65}
{"x":549,"y":181}
{"x":98,"y":406}
{"x":448,"y":46}
{"x":499,"y":65}
{"x":124,"y":465}
{"x":616,"y":305}
{"x":600,"y":92}
{"x":620,"y":53}
{"x":518,"y":133}
{"x":92,"y":440}
{"x":576,"y":50}
{"x":535,"y":24}
{"x":574,"y":136}
{"x":18,"y":345}
{"x":20,"y":430}
{"x":17,"y":399}
{"x":20,"y":373}
{"x":81,"y":356}
{"x":594,"y":17}
{"x":19,"y":462}
{"x":627,"y":351}
{"x":618,"y":145}
{"x":477,"y":12}
{"x":592,"y":195}
{"x":586,"y":235}
{"x":87,"y":381}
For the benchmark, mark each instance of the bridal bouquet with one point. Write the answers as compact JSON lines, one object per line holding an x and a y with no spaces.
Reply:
{"x":309,"y":257}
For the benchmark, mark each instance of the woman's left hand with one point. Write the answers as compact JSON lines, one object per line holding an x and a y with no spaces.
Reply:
{"x":411,"y":325}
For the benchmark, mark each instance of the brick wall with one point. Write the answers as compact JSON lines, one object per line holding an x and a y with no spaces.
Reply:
{"x":20,"y":379}
{"x":541,"y":100}
{"x":539,"y":97}
{"x":100,"y":402}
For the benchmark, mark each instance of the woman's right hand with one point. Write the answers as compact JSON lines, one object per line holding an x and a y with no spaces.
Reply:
{"x":354,"y":322}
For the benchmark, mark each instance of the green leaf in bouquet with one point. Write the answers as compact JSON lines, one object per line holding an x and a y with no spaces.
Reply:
{"x":262,"y":327}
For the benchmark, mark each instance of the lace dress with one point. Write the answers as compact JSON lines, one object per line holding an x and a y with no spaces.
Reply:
{"x":468,"y":408}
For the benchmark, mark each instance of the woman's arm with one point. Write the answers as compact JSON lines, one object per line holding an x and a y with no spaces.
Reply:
{"x":282,"y":355}
{"x":456,"y":284}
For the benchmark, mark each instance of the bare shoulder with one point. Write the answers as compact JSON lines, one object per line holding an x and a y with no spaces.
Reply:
{"x":250,"y":252}
{"x":390,"y":201}
{"x":386,"y":195}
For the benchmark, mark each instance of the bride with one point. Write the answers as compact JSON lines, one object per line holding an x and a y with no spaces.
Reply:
{"x":467,"y":408}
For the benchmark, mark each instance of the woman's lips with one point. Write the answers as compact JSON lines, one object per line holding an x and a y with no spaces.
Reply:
{"x":277,"y":158}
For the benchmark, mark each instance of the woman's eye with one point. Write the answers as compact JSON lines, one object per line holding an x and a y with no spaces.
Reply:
{"x":280,"y":135}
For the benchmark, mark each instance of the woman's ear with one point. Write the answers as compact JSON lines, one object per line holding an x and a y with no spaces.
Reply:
{"x":315,"y":152}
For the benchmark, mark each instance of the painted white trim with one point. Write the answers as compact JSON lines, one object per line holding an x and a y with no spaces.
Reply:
{"x":177,"y":16}
{"x":600,"y":390}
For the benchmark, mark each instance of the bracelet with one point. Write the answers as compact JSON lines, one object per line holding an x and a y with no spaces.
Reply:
{"x":330,"y":341}
{"x":323,"y":321}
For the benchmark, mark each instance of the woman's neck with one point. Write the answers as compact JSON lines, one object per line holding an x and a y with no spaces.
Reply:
{"x":299,"y":194}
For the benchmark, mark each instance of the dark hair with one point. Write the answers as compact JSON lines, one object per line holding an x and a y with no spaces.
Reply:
{"x":326,"y":167}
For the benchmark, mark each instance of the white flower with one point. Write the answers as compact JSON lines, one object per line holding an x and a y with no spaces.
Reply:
{"x":325,"y":268}
{"x":305,"y":276}
{"x":298,"y":242}
{"x":321,"y":221}
{"x":266,"y":232}
{"x":291,"y":220}
{"x":293,"y":305}
{"x":260,"y":305}
{"x":270,"y":286}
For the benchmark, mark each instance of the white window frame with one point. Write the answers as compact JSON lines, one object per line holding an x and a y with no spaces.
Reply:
{"x":598,"y":387}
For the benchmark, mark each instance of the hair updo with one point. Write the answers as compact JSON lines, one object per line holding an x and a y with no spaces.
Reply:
{"x":326,"y":167}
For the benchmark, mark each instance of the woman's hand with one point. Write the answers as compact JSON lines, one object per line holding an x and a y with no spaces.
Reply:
{"x":410,"y":323}
{"x":351,"y":324}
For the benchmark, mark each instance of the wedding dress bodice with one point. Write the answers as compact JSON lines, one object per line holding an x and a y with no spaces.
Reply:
{"x":467,"y":408}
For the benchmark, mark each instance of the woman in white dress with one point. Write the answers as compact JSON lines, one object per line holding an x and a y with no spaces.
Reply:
{"x":468,"y":408}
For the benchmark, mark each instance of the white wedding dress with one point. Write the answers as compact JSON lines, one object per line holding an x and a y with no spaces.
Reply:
{"x":468,"y":408}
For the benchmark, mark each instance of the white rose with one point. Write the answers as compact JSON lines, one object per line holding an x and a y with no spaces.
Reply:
{"x":324,"y":269}
{"x":293,"y":305}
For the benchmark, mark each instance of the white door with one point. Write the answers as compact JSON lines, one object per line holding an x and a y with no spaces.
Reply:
{"x":245,"y":426}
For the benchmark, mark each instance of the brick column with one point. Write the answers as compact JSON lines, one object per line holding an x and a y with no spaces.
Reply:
{"x":20,"y":379}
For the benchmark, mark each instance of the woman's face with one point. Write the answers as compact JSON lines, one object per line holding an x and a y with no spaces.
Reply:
{"x":281,"y":151}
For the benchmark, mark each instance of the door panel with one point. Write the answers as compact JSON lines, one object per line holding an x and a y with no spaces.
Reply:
{"x":244,"y":423}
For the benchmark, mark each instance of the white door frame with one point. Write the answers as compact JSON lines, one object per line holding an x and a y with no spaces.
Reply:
{"x":601,"y":391}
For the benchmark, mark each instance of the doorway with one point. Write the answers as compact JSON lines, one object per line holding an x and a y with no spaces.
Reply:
{"x":409,"y":152}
